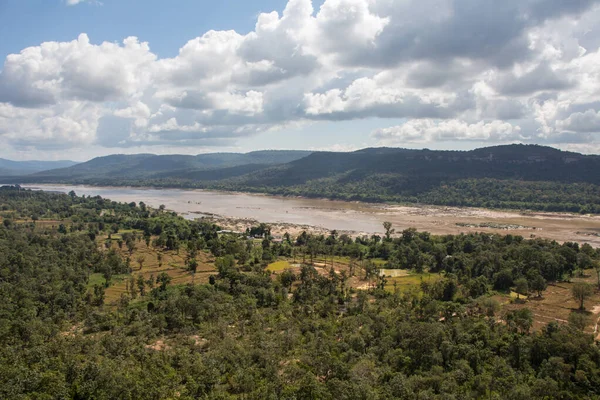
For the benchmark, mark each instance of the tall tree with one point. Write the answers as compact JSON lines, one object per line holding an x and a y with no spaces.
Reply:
{"x":580,"y":292}
{"x":388,"y":230}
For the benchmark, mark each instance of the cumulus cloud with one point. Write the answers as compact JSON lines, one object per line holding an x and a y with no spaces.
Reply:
{"x":465,"y":70}
{"x":76,"y":70}
{"x":540,"y":78}
{"x":588,"y":121}
{"x":427,"y":130}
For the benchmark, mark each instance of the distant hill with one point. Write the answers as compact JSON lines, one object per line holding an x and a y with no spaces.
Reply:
{"x":14,"y":168}
{"x":150,"y":166}
{"x":412,"y":170}
{"x":511,"y":176}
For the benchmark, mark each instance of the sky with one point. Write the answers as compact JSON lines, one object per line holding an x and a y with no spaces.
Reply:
{"x":85,"y":78}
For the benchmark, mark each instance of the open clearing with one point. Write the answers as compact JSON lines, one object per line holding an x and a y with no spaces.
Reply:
{"x":173,"y":263}
{"x":557,"y":303}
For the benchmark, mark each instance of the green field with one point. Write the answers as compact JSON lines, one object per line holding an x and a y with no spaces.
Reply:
{"x":411,"y":281}
{"x":278,"y":266}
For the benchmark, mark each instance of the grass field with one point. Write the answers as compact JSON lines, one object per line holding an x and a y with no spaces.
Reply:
{"x":410,"y":281}
{"x":278,"y":266}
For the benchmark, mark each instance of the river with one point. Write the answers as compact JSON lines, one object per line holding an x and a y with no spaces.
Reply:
{"x":193,"y":203}
{"x":349,"y":216}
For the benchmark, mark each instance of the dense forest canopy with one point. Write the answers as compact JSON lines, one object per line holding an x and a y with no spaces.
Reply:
{"x":513,"y":176}
{"x":301,"y":333}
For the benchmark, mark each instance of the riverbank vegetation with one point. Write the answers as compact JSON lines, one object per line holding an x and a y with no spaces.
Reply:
{"x":204,"y":314}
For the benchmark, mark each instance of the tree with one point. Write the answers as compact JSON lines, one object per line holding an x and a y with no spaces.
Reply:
{"x":141,"y":284}
{"x":140,"y":260}
{"x":225,"y":266}
{"x":538,"y":283}
{"x":597,"y":268}
{"x":489,"y":306}
{"x":98,"y":295}
{"x":164,"y":279}
{"x":150,"y":282}
{"x":159,"y":257}
{"x":132,"y":288}
{"x":520,"y":320}
{"x":578,"y":320}
{"x":521,"y":287}
{"x":580,"y":292}
{"x":193,"y":265}
{"x":503,"y":280}
{"x":287,"y":278}
{"x":388,"y":230}
{"x":371,"y":271}
{"x":107,"y":274}
{"x":130,"y":246}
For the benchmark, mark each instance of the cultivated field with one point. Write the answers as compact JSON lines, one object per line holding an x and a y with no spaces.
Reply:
{"x":173,"y":263}
{"x":557,"y":303}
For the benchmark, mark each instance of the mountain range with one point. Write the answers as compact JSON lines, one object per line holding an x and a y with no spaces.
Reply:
{"x":14,"y":168}
{"x":150,"y":166}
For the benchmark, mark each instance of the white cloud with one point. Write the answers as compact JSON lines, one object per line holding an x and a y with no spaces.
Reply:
{"x":466,"y":70}
{"x":76,"y":70}
{"x":427,"y":130}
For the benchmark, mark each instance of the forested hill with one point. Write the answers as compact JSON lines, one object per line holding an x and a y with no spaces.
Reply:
{"x":13,"y":168}
{"x":511,"y":176}
{"x":423,"y":167}
{"x":138,"y":166}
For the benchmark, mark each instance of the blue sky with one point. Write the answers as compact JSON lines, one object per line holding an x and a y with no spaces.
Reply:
{"x":331,"y":74}
{"x":165,"y":25}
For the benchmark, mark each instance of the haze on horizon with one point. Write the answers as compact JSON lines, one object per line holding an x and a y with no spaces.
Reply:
{"x":83,"y":78}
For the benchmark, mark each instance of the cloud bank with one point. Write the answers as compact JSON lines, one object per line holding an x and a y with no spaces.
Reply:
{"x":453,"y":70}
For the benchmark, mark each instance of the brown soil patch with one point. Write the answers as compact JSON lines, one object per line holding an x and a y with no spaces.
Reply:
{"x":159,"y":345}
{"x":557,"y":303}
{"x":173,"y":263}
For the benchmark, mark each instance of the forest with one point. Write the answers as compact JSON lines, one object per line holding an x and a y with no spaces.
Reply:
{"x":107,"y":300}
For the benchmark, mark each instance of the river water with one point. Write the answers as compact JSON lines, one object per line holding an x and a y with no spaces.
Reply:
{"x":326,"y":214}
{"x":350,"y":216}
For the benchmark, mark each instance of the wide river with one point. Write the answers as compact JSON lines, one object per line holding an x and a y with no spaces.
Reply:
{"x":349,"y":216}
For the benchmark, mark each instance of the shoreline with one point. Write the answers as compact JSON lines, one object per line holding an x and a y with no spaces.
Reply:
{"x":375,"y":205}
{"x":237,"y":210}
